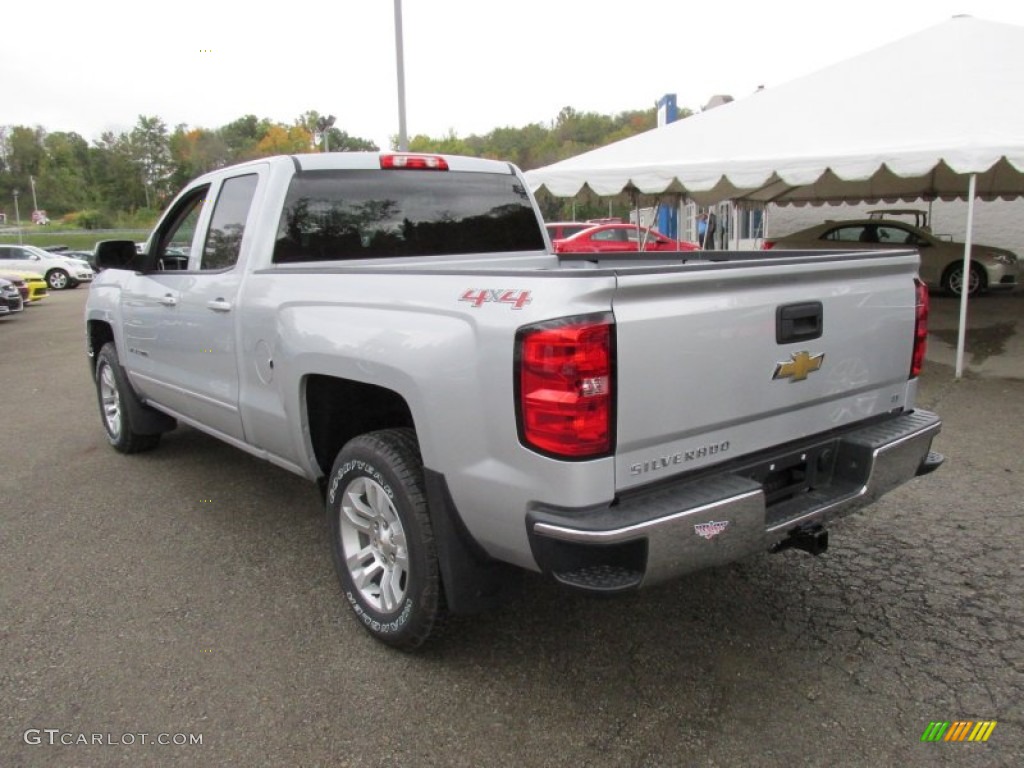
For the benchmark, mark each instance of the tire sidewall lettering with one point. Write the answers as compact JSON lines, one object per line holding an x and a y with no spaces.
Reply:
{"x":383,"y":627}
{"x":357,"y":465}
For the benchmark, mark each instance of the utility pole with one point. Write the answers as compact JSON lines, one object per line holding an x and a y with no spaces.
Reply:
{"x":324,"y":125}
{"x":17,"y":215}
{"x":403,"y":141}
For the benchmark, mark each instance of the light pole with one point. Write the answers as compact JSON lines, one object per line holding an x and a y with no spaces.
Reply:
{"x":403,"y":141}
{"x":324,"y":125}
{"x":17,"y":214}
{"x":32,"y":183}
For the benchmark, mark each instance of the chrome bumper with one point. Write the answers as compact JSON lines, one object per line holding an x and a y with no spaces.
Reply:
{"x":657,"y":535}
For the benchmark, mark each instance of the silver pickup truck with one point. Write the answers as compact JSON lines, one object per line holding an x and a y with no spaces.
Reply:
{"x":396,"y":328}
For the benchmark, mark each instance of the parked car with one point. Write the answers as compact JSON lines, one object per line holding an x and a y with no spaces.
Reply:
{"x":38,"y":289}
{"x":10,"y":298}
{"x":85,"y":256}
{"x":34,"y":282}
{"x":559,"y":230}
{"x":610,"y":238}
{"x":17,"y":282}
{"x":941,"y":260}
{"x":60,"y":271}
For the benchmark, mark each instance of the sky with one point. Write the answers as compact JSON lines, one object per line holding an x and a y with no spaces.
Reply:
{"x":470,"y":65}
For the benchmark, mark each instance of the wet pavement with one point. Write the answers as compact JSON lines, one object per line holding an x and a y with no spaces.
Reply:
{"x":995,"y":334}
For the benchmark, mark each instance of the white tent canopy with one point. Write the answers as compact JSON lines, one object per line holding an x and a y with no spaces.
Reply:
{"x":911,"y":120}
{"x":937,"y":115}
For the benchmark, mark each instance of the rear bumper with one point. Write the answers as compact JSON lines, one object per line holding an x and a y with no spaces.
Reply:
{"x":653,"y":536}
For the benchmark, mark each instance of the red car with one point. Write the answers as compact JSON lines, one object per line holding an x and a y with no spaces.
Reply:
{"x":612,"y":238}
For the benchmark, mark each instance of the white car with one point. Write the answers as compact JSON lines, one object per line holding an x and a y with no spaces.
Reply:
{"x":60,"y":271}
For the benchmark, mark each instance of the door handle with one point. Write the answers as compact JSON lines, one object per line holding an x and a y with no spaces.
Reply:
{"x":169,"y":301}
{"x":799,"y":322}
{"x":219,"y":305}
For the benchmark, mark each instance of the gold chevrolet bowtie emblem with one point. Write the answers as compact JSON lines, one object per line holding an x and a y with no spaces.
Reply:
{"x":797,"y":368}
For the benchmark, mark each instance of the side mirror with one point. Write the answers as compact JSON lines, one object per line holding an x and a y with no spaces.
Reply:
{"x":115,"y":254}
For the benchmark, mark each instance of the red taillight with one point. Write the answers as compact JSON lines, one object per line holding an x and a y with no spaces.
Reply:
{"x":414,"y":162}
{"x":564,"y":387}
{"x":920,"y":329}
{"x":767,"y":245}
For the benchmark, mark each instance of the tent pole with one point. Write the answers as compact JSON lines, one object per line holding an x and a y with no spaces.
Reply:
{"x":961,"y":336}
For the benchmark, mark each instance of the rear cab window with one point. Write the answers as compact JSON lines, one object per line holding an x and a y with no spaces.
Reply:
{"x":366,"y":214}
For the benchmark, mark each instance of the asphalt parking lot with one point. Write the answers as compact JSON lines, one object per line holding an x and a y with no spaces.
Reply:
{"x":189,"y":593}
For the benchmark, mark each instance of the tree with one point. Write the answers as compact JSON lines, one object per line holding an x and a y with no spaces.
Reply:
{"x":340,"y":141}
{"x":116,"y":175}
{"x":150,"y":146}
{"x":242,"y":136}
{"x":195,"y":152}
{"x":281,"y":140}
{"x":448,"y":145}
{"x":25,"y":151}
{"x":64,"y":173}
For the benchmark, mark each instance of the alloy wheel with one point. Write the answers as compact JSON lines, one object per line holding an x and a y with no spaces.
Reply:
{"x":374,"y":544}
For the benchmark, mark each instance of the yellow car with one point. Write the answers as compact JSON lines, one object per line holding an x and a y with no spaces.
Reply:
{"x":37,"y":285}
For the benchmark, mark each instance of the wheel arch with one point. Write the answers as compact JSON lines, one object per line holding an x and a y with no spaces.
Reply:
{"x":98,"y":333}
{"x":338,"y":409}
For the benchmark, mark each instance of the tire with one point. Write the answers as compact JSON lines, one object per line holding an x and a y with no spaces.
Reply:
{"x":57,"y":279}
{"x":112,"y":391}
{"x":382,"y":540}
{"x":73,"y":284}
{"x":952,"y":279}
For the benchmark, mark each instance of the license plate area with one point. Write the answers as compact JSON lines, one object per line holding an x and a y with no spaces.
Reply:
{"x":789,"y":475}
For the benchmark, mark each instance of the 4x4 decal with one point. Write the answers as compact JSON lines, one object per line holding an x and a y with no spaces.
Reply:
{"x":517,"y":297}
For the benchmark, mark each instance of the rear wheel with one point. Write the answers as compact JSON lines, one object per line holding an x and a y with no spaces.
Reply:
{"x":382,"y":540}
{"x":953,"y":280}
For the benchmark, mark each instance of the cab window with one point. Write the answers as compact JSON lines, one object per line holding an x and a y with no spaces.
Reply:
{"x":227,"y":225}
{"x":174,"y":241}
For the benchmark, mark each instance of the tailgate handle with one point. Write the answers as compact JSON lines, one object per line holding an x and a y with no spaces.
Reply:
{"x":798,"y":322}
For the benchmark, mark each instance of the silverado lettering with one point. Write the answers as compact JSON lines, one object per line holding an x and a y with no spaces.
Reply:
{"x":663,"y":462}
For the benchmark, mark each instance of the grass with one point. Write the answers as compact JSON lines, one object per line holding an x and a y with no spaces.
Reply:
{"x":75,"y":239}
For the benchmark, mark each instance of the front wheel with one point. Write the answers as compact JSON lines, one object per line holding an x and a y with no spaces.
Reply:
{"x":381,"y":537}
{"x":953,"y":280}
{"x":113,"y":391}
{"x":58,"y":279}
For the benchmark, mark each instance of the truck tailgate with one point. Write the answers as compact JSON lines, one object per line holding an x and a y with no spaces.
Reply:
{"x":717,"y":361}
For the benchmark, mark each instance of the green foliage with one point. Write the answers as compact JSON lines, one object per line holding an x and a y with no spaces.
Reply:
{"x":124,"y":179}
{"x":536,"y":145}
{"x":90,"y":219}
